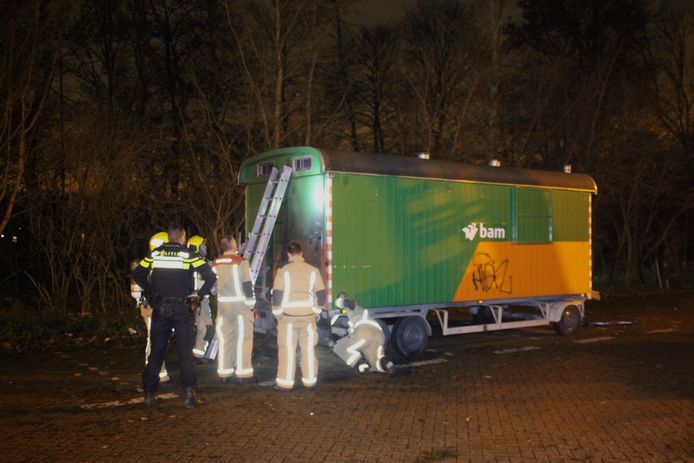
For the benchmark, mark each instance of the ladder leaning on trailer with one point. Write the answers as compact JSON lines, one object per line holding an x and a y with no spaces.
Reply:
{"x":267,"y":215}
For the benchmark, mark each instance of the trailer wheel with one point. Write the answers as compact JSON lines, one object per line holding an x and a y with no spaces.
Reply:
{"x":569,"y":321}
{"x":483,"y":315}
{"x":410,"y":336}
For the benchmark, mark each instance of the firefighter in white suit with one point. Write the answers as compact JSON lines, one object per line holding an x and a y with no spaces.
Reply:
{"x":364,"y":347}
{"x":234,"y":323}
{"x":298,"y":296}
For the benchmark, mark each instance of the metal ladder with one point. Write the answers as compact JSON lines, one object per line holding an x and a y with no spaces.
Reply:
{"x":267,"y":215}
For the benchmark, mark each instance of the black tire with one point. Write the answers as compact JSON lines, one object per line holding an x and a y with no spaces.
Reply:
{"x":483,"y":316}
{"x":569,"y":322}
{"x":410,"y":336}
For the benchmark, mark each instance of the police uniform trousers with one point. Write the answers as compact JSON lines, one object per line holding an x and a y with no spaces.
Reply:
{"x":367,"y":341}
{"x":165,"y":317}
{"x":234,"y":330}
{"x":293,"y":330}
{"x":203,"y":328}
{"x":146,"y":312}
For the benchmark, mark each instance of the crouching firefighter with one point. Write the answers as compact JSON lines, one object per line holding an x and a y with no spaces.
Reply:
{"x":167,"y":274}
{"x":204,"y":330}
{"x":235,"y":316}
{"x":143,"y":303}
{"x":298,"y":295}
{"x":364,"y":347}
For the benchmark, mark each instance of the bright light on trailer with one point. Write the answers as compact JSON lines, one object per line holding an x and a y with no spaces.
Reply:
{"x":318,"y":196}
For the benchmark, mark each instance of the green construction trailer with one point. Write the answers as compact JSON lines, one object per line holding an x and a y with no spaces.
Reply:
{"x":478,"y":248}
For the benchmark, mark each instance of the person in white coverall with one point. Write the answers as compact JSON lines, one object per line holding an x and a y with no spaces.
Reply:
{"x":298,"y":295}
{"x":364,"y":347}
{"x":235,"y":316}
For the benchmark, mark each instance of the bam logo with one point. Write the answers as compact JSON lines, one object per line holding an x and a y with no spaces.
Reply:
{"x":489,"y":233}
{"x":470,"y":231}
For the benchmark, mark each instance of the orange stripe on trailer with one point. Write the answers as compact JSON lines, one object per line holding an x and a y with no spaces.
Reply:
{"x":504,"y":270}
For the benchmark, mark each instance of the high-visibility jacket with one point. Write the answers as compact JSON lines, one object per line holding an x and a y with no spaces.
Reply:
{"x":298,"y":289}
{"x":234,"y":282}
{"x":172,"y":267}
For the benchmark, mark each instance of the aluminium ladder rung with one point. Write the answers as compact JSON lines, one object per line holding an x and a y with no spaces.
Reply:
{"x":261,"y":215}
{"x":273,"y":197}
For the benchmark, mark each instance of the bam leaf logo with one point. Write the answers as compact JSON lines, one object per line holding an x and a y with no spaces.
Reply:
{"x":470,"y":231}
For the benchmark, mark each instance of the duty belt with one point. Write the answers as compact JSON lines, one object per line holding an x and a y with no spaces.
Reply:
{"x":172,"y":299}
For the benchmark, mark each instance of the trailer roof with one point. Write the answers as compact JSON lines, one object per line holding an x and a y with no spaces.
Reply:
{"x":383,"y":164}
{"x":404,"y":166}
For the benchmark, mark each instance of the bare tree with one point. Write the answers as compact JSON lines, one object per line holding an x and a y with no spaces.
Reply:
{"x":27,"y":69}
{"x":441,"y":62}
{"x":670,"y":52}
{"x":373,"y":72}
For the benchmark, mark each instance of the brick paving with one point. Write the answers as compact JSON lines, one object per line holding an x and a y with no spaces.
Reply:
{"x":626,"y":398}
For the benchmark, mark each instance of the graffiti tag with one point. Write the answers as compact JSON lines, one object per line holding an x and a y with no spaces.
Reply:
{"x":488,"y":275}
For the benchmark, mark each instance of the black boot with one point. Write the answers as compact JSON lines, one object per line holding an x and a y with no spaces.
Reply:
{"x":149,"y":400}
{"x":193,"y":400}
{"x":361,"y":367}
{"x":388,"y":366}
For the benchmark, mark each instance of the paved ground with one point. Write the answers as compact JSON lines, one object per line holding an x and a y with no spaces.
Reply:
{"x":616,"y":393}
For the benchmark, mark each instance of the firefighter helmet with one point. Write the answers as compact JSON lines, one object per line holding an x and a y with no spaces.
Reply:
{"x":157,"y":240}
{"x":198,"y":244}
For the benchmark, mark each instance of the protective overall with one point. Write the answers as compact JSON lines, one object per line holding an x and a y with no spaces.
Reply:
{"x":203,"y":318}
{"x":166,"y":274}
{"x":297,"y":295}
{"x":365,"y":339}
{"x":234,"y":327}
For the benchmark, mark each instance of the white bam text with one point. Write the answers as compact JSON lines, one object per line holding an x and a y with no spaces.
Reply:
{"x":472,"y":229}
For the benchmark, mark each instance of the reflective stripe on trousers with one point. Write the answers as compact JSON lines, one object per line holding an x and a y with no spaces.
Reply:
{"x":310,"y":378}
{"x":235,"y":335}
{"x":221,"y":359}
{"x":290,"y":332}
{"x":286,"y":367}
{"x":242,"y":370}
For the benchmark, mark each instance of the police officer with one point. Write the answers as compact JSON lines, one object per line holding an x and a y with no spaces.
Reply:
{"x":234,"y":324}
{"x":167,"y":274}
{"x":203,"y":317}
{"x":364,"y":347}
{"x":298,"y":294}
{"x":144,"y":305}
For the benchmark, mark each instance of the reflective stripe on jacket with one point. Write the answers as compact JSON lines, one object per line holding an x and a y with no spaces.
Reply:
{"x":361,"y":317}
{"x":298,"y":289}
{"x":234,"y":282}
